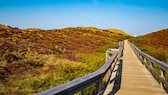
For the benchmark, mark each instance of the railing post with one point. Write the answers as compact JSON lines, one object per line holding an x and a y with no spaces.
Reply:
{"x":143,"y":59}
{"x":107,"y":55}
{"x":98,"y":86}
{"x":108,"y":74}
{"x":138,"y":55}
{"x":151,"y":65}
{"x":163,"y":73}
{"x":110,"y":52}
{"x":151,"y":68}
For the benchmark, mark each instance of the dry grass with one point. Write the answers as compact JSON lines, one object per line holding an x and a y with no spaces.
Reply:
{"x":32,"y":60}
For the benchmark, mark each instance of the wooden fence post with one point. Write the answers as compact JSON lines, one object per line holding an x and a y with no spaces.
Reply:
{"x":98,"y":86}
{"x":145,"y":60}
{"x":107,"y":55}
{"x":110,"y":52}
{"x":151,"y":65}
{"x":162,"y":76}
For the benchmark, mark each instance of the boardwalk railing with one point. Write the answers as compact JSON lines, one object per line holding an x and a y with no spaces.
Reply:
{"x":157,"y":68}
{"x":85,"y":81}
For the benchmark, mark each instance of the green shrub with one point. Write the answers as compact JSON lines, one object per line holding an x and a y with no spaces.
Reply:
{"x":157,"y":53}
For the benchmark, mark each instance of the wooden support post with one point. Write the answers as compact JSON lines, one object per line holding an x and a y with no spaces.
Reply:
{"x":163,"y":73}
{"x":151,"y":65}
{"x":98,"y":86}
{"x":109,"y":53}
{"x":107,"y":56}
{"x":108,"y":74}
{"x":138,"y":55}
{"x":151,"y":68}
{"x":145,"y":60}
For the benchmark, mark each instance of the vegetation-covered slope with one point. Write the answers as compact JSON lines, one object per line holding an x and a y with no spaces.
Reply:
{"x":155,"y":44}
{"x":32,"y":60}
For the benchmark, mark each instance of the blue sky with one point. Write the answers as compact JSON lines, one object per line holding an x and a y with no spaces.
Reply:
{"x":136,"y":17}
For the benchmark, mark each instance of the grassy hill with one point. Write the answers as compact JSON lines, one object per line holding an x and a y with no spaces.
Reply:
{"x":32,"y":60}
{"x":155,"y":44}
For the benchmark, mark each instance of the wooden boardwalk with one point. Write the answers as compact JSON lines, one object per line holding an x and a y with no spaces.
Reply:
{"x":130,"y":77}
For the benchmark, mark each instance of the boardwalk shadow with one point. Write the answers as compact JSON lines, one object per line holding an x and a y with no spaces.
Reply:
{"x":117,"y":79}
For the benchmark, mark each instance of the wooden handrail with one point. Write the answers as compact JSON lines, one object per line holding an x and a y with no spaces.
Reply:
{"x":149,"y":62}
{"x":77,"y":85}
